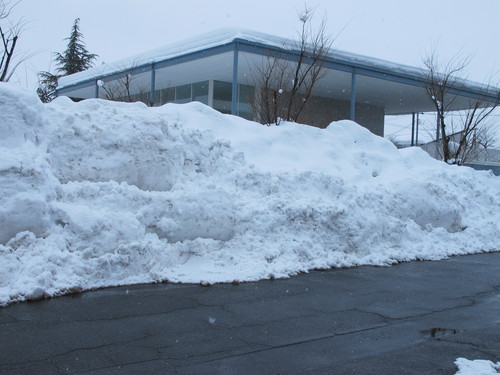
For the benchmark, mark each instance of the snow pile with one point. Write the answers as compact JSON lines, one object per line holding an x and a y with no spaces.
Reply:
{"x":476,"y":367}
{"x":98,"y":193}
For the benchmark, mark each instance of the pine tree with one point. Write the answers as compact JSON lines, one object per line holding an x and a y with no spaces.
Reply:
{"x":47,"y":84}
{"x":76,"y":58}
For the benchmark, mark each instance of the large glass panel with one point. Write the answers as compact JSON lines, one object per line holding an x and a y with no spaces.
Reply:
{"x":222,"y":96}
{"x":140,"y":97}
{"x":245,"y":93}
{"x":166,"y":95}
{"x":200,"y":92}
{"x":183,"y":94}
{"x":158,"y":97}
{"x":222,"y":90}
{"x":245,"y":101}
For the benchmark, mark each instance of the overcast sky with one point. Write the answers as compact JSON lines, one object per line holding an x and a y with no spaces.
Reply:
{"x":395,"y":30}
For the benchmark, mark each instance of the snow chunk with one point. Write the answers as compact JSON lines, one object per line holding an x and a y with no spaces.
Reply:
{"x":476,"y":367}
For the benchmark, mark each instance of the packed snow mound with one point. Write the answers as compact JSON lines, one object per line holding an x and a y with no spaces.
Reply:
{"x":98,"y":193}
{"x":476,"y":367}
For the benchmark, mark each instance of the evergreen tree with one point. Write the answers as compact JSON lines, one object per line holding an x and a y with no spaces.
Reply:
{"x":76,"y":58}
{"x":47,"y":84}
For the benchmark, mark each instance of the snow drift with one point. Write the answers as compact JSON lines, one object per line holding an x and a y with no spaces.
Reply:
{"x":99,"y":193}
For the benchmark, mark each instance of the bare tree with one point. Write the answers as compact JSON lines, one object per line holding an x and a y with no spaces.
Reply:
{"x":124,"y":89}
{"x":119,"y":89}
{"x":9,"y":34}
{"x":458,"y":134}
{"x":269,"y":79}
{"x":283,"y":87}
{"x":487,"y":136}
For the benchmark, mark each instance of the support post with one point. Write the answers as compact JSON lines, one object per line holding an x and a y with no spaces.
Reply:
{"x":352,"y":112}
{"x":418,"y":122}
{"x":96,"y":94}
{"x":412,"y":129}
{"x":211,"y":93}
{"x":234,"y":93}
{"x":152,"y":86}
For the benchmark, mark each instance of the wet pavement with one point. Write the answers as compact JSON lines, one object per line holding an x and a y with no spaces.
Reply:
{"x":413,"y":318}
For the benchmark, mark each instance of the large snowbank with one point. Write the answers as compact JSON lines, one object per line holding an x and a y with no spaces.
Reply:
{"x":98,"y":193}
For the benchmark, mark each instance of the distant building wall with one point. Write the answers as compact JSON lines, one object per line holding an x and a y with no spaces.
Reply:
{"x":489,"y":155}
{"x":433,"y":148}
{"x":483,"y":159}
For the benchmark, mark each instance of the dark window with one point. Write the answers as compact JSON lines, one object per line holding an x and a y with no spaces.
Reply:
{"x":200,"y":92}
{"x":245,"y":93}
{"x":167,"y":95}
{"x":183,"y":94}
{"x":245,"y":101}
{"x":222,"y":91}
{"x":222,"y":96}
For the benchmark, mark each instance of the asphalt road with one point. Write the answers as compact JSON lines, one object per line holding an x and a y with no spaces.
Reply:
{"x":413,"y":318}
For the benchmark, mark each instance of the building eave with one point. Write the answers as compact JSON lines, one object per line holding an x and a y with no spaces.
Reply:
{"x":227,"y":40}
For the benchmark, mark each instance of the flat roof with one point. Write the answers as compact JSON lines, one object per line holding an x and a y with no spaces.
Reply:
{"x":393,"y":86}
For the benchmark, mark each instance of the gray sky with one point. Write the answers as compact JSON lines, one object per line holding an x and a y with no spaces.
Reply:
{"x":395,"y":30}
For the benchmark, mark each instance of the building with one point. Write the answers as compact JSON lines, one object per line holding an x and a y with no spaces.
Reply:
{"x":218,"y":69}
{"x":479,"y":158}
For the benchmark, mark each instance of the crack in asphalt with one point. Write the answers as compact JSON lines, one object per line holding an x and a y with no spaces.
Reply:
{"x":496,"y":289}
{"x":122,"y":365}
{"x":216,"y":352}
{"x":76,"y":350}
{"x":418,"y":316}
{"x":111,"y":318}
{"x":295,"y":343}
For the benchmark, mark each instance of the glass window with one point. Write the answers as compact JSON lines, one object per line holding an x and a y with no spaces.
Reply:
{"x":222,"y":91}
{"x":183,"y":94}
{"x":245,"y":93}
{"x":245,"y":101}
{"x":222,"y":96}
{"x":158,"y":97}
{"x":245,"y":110}
{"x":139,"y":97}
{"x":167,"y":95}
{"x":200,"y":92}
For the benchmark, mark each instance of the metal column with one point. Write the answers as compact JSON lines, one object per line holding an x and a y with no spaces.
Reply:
{"x":211,"y":93}
{"x":97,"y":88}
{"x":152,"y":86}
{"x":234,"y":93}
{"x":412,"y":129}
{"x":418,"y":122}
{"x":352,"y":112}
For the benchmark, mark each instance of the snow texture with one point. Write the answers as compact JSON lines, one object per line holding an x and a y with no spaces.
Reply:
{"x":99,"y":193}
{"x":476,"y":367}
